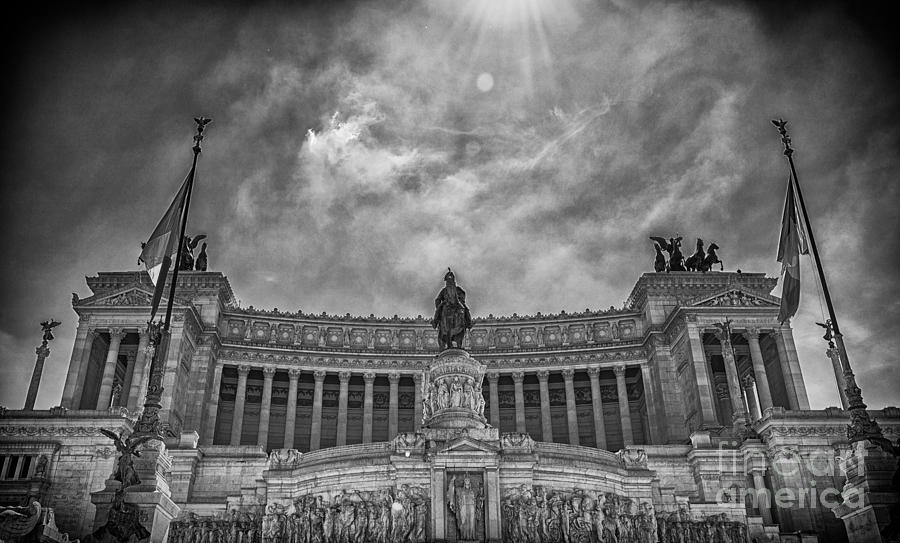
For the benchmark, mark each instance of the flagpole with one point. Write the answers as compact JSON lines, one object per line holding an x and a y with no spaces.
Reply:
{"x":861,"y":427}
{"x":158,"y":332}
{"x":201,"y":124}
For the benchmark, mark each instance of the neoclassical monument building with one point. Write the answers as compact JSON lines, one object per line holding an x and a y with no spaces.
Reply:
{"x":663,"y":420}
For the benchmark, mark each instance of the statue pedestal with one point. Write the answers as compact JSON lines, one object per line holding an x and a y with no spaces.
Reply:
{"x":453,"y":397}
{"x":153,"y":497}
{"x":103,"y":502}
{"x":869,"y":495}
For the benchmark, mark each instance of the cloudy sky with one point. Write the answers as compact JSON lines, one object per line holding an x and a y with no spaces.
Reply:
{"x":358,"y":150}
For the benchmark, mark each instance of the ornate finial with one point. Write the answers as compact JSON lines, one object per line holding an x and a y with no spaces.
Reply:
{"x":201,"y":124}
{"x":780,"y":124}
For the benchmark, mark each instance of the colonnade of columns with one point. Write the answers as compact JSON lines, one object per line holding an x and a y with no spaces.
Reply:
{"x":746,"y":396}
{"x":568,"y":375}
{"x":134,"y":382}
{"x":236,"y":430}
{"x":315,"y":437}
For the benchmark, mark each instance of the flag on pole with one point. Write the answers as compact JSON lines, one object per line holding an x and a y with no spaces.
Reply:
{"x":157,"y":253}
{"x":791,"y":244}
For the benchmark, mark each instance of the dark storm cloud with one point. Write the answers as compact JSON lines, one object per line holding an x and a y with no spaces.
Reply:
{"x":356,"y":153}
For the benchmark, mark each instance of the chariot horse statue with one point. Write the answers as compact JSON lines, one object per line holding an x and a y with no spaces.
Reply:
{"x":451,"y":315}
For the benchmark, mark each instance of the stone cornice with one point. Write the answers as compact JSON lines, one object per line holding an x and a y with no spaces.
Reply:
{"x":688,"y":285}
{"x":830,"y":423}
{"x":190,"y":283}
{"x":284,"y":332}
{"x":417,"y":363}
{"x":536,"y":319}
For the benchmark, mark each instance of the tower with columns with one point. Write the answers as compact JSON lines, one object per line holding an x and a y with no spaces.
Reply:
{"x":689,"y":388}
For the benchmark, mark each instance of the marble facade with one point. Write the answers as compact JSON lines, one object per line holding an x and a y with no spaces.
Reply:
{"x":642,"y":406}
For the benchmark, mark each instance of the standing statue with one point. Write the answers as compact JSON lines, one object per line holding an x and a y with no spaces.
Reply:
{"x":694,"y":262}
{"x":200,"y":264}
{"x":127,"y":448}
{"x":47,"y":327}
{"x":456,"y":391}
{"x":462,"y":503}
{"x":451,"y":315}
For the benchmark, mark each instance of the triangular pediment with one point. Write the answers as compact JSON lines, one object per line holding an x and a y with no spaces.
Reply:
{"x":467,"y":444}
{"x":134,"y":295}
{"x":734,"y":297}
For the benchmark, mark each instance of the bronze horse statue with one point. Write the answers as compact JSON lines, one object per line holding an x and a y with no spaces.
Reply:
{"x":659,"y":265}
{"x":711,"y":259}
{"x":694,"y":262}
{"x":451,"y":315}
{"x":673,"y":247}
{"x":676,"y":259}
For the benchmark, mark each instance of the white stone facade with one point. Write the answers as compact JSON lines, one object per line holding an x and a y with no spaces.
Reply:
{"x":645,"y":402}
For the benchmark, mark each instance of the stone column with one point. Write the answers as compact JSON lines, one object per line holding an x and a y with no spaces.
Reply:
{"x":438,"y":512}
{"x":624,"y":408}
{"x":212,"y":406}
{"x":723,"y":398}
{"x":546,"y":422}
{"x":130,"y":373}
{"x":653,"y":416}
{"x":518,"y":378}
{"x":597,"y":404}
{"x":705,"y":391}
{"x":787,"y":338}
{"x":290,"y":416}
{"x":571,"y":410}
{"x":417,"y":402}
{"x":315,"y":427}
{"x":793,"y":403}
{"x":750,"y":394}
{"x":265,"y":408}
{"x":141,"y":379}
{"x":738,"y":416}
{"x":237,"y":424}
{"x":493,"y":527}
{"x":84,"y":340}
{"x":835,"y":357}
{"x":109,"y":370}
{"x":369,"y":379}
{"x":394,"y":405}
{"x":492,"y":378}
{"x":42,"y":352}
{"x":344,"y":378}
{"x":759,"y":369}
{"x":762,"y":496}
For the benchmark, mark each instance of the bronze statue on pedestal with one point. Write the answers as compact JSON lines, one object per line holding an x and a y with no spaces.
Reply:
{"x":451,"y":315}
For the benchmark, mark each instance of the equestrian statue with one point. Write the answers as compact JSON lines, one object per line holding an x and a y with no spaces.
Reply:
{"x":451,"y":315}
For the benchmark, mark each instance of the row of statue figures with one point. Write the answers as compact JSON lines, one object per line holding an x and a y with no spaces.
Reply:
{"x":351,"y":517}
{"x":540,"y":515}
{"x":233,"y":528}
{"x":701,"y":260}
{"x":456,"y":392}
{"x":679,"y":527}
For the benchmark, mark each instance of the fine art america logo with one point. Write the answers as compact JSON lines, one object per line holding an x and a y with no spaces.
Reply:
{"x":789,"y":479}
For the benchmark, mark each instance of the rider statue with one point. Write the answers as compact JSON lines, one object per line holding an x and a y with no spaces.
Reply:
{"x":451,"y":315}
